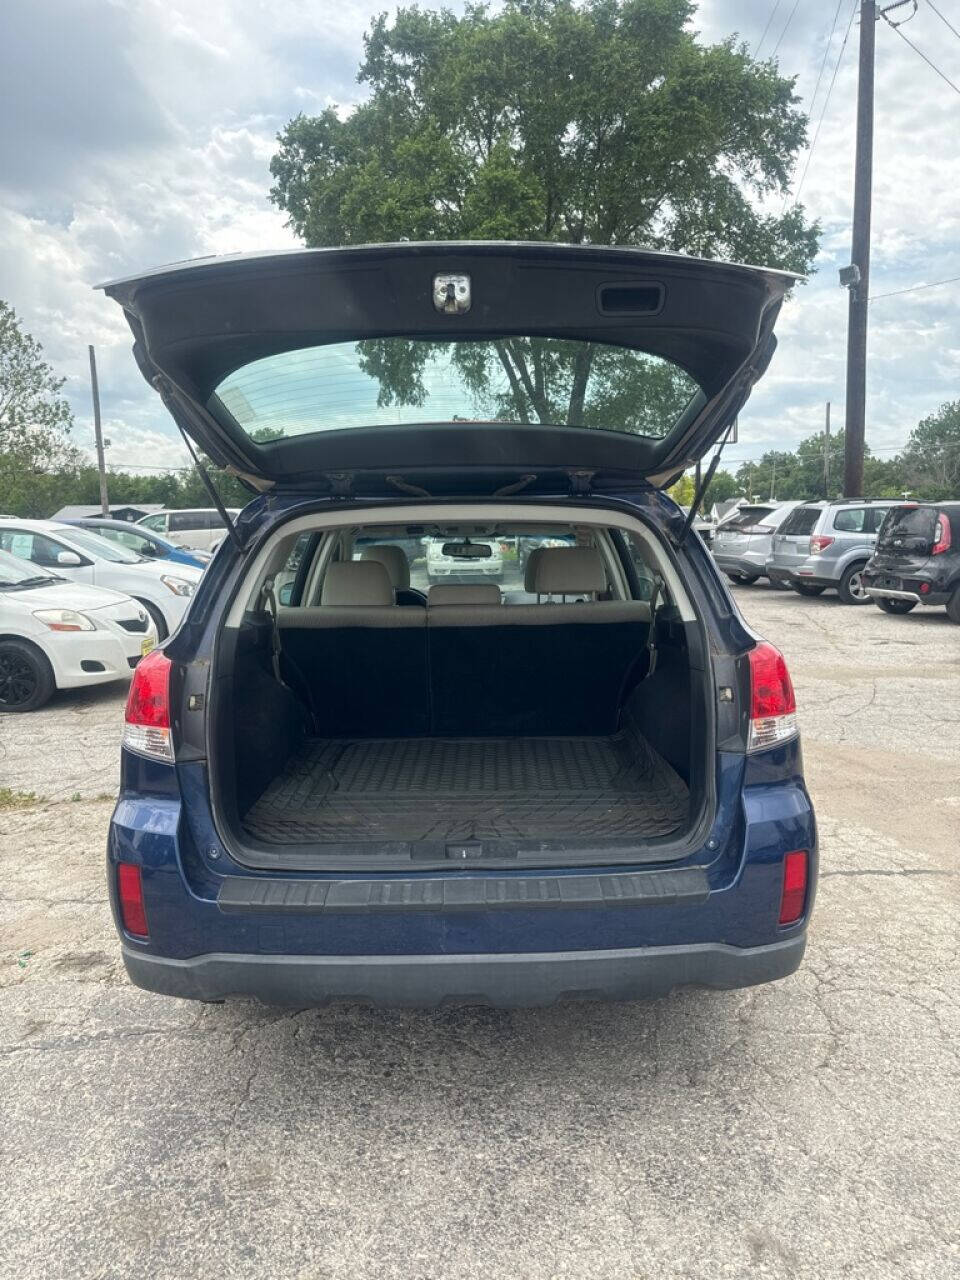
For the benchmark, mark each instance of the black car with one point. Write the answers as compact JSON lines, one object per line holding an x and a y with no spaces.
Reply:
{"x":917,"y":558}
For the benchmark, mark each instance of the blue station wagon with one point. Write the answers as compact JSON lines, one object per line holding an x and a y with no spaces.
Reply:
{"x":342,"y":779}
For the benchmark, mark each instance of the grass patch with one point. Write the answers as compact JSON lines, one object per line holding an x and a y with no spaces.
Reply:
{"x":10,"y":799}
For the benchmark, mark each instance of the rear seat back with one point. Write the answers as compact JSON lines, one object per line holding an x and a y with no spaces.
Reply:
{"x":538,"y":668}
{"x":360,"y":659}
{"x":463,"y":668}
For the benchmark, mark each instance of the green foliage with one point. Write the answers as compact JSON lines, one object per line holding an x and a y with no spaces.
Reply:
{"x":599,"y":122}
{"x":931,"y":460}
{"x":35,"y":422}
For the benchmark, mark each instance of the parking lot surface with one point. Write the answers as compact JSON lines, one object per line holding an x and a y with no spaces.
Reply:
{"x":806,"y":1129}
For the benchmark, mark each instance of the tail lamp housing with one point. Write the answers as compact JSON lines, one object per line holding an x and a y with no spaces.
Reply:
{"x":146,"y":728}
{"x":819,"y":543}
{"x":942,"y":538}
{"x":773,"y":704}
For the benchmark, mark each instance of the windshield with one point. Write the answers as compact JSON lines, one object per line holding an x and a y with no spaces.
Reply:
{"x":94,"y":545}
{"x":908,"y":527}
{"x":390,"y":381}
{"x":14,"y":571}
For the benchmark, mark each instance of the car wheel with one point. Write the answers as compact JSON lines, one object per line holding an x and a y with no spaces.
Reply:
{"x":850,"y":589}
{"x":808,"y":589}
{"x":779,"y":585}
{"x":895,"y":606}
{"x":26,"y":677}
{"x":953,"y":606}
{"x":158,"y":619}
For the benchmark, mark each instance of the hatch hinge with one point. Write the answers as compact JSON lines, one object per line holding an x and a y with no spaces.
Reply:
{"x":341,"y":483}
{"x":581,"y":482}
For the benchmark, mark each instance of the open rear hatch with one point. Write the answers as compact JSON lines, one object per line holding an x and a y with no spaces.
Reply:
{"x":453,"y":368}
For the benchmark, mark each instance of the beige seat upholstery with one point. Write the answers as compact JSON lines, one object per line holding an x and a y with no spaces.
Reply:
{"x":356,"y":582}
{"x":393,"y":560}
{"x":356,"y":593}
{"x":445,"y":594}
{"x":569,"y":571}
{"x":530,"y":570}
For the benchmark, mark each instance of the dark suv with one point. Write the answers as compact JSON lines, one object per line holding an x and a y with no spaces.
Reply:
{"x":917,"y":559}
{"x":593,"y":787}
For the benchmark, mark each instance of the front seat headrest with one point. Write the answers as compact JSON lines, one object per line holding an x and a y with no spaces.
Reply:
{"x":356,"y":582}
{"x":569,"y":571}
{"x":393,"y":560}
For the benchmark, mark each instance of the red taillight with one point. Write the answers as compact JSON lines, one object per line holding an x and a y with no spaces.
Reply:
{"x":146,"y":728}
{"x":130,"y":893}
{"x":819,"y":542}
{"x":773,"y":706}
{"x":793,"y":895}
{"x":941,"y":536}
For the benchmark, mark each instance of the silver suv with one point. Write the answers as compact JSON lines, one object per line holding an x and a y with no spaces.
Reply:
{"x":825,"y":545}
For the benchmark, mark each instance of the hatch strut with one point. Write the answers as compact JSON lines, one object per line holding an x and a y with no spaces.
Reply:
{"x":704,"y":486}
{"x":167,"y":395}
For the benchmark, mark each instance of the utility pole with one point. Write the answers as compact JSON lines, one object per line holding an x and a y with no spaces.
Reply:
{"x":858,"y":273}
{"x":773,"y":480}
{"x":826,"y":453}
{"x":101,"y":465}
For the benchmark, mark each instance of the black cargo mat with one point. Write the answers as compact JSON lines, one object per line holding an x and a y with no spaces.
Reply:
{"x":452,"y":789}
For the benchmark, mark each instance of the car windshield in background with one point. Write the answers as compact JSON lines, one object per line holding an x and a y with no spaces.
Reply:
{"x":801,"y":520}
{"x":908,"y":527}
{"x":14,"y":572}
{"x":94,"y":545}
{"x":391,"y":381}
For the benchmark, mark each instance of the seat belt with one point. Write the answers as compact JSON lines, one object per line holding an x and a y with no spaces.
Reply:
{"x":652,"y":634}
{"x":270,"y":601}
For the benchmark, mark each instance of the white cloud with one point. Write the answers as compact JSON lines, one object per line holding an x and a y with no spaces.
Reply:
{"x":140,"y":132}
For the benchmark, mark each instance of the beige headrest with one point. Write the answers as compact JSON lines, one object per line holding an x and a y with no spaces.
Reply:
{"x":569,"y":571}
{"x":463,"y":593}
{"x":530,"y":570}
{"x":356,"y":582}
{"x":393,"y":560}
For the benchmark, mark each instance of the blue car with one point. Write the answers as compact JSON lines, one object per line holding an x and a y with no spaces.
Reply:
{"x":141,"y":541}
{"x":340,"y":781}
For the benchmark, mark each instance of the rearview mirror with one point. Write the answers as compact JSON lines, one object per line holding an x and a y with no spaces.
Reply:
{"x":69,"y":560}
{"x":468,"y":550}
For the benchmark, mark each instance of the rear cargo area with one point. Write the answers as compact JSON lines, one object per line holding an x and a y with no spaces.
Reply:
{"x":513,"y":724}
{"x":463,"y":789}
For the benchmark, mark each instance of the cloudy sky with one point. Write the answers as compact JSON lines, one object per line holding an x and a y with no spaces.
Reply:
{"x":139,"y":132}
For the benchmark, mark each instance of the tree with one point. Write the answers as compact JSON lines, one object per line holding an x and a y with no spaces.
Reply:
{"x":600,"y":122}
{"x":931,"y":460}
{"x":35,"y":422}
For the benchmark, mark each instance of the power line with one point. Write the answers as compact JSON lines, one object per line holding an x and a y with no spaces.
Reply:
{"x":943,"y":19}
{"x":796,"y":4}
{"x":826,"y":103}
{"x":932,"y":65}
{"x":826,"y":53}
{"x":914,"y":288}
{"x":773,"y":14}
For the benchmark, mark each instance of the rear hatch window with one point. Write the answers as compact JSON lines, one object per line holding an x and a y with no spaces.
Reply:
{"x":746,"y":518}
{"x":385,"y":382}
{"x":909,"y":529}
{"x":802,"y":520}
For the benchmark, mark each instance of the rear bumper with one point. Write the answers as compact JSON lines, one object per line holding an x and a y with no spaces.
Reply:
{"x":501,"y":980}
{"x":747,"y":563}
{"x":788,"y":577}
{"x":908,"y":589}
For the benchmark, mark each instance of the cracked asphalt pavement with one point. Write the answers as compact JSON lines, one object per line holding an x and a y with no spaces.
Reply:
{"x":810,"y":1128}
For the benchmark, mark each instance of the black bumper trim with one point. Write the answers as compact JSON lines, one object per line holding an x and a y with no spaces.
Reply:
{"x":248,"y":895}
{"x":510,"y":980}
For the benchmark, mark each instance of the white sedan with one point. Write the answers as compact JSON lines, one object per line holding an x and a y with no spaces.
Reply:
{"x":163,"y":590}
{"x":58,"y":634}
{"x":485,"y":562}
